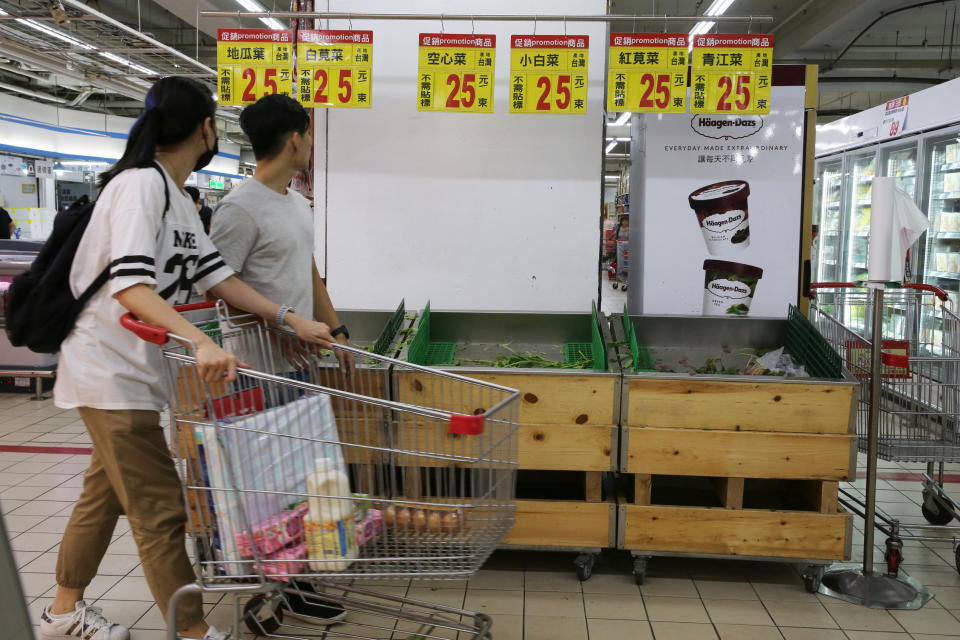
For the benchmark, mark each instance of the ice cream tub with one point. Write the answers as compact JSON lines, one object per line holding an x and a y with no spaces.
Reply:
{"x":729,"y":287}
{"x":723,"y":215}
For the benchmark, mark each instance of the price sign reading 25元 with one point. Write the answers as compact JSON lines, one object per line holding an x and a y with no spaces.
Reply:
{"x":731,"y":74}
{"x":548,"y":74}
{"x":252,"y":63}
{"x":455,"y":72}
{"x":647,"y":73}
{"x":335,"y":68}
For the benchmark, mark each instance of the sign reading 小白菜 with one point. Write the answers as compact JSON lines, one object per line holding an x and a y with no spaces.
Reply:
{"x":455,"y":72}
{"x":731,"y":74}
{"x":647,"y":72}
{"x":335,"y":68}
{"x":252,"y":63}
{"x":548,"y":74}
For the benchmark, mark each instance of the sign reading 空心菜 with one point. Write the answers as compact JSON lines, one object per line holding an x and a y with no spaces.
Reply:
{"x":335,"y":68}
{"x":455,"y":72}
{"x":647,"y":72}
{"x":548,"y":74}
{"x":731,"y":74}
{"x":253,"y":63}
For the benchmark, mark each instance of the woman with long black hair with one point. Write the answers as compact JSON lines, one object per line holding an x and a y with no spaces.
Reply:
{"x":145,"y":230}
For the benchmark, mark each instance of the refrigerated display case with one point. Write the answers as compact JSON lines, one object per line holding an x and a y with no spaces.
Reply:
{"x":828,"y":200}
{"x":859,"y":170}
{"x":942,"y":203}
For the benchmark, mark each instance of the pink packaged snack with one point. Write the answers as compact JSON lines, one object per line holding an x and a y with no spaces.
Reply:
{"x":370,"y":527}
{"x":273,"y":534}
{"x":291,"y":560}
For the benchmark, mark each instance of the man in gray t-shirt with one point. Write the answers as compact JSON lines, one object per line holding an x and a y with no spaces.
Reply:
{"x":264,"y":230}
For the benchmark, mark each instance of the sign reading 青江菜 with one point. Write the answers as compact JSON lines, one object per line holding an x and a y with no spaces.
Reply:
{"x":731,"y":74}
{"x":894,"y":117}
{"x":548,"y":74}
{"x":253,"y":63}
{"x":455,"y":72}
{"x":335,"y":68}
{"x":647,"y":72}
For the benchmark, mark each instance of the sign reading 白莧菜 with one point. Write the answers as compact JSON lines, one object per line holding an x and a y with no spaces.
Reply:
{"x":548,"y":74}
{"x":455,"y":72}
{"x":335,"y":68}
{"x":252,"y":63}
{"x":731,"y":74}
{"x":647,"y":72}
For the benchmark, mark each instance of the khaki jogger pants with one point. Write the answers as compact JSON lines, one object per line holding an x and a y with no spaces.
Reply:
{"x":131,"y":472}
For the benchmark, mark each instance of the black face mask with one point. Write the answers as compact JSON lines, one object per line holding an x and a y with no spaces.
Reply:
{"x":207,"y":155}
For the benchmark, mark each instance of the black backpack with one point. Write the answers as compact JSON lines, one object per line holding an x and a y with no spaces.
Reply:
{"x":41,"y":309}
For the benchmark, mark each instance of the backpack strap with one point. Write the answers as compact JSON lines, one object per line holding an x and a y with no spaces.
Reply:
{"x":166,"y":191}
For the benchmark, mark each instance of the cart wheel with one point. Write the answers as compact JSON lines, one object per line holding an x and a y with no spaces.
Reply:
{"x":894,"y":558}
{"x":639,"y":570}
{"x":615,"y":285}
{"x":623,"y":288}
{"x":584,"y":564}
{"x":262,"y":615}
{"x":956,"y":558}
{"x":811,"y":578}
{"x":938,"y":515}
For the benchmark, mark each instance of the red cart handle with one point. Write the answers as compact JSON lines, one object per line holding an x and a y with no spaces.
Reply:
{"x":937,"y":291}
{"x":158,"y":335}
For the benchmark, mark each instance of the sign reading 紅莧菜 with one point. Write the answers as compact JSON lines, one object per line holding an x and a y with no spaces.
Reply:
{"x":335,"y":68}
{"x":548,"y":74}
{"x":455,"y":72}
{"x":252,"y":63}
{"x":647,"y":72}
{"x":731,"y":74}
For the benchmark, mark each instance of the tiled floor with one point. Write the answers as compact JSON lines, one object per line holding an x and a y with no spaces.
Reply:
{"x":530,"y":595}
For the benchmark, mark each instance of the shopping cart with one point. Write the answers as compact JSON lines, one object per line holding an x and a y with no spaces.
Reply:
{"x":300,"y":481}
{"x":919,"y":401}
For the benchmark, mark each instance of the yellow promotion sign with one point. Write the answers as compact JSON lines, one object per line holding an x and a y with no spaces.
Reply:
{"x":252,"y":63}
{"x":548,"y":74}
{"x":647,"y":72}
{"x":335,"y":68}
{"x":455,"y":72}
{"x":731,"y":74}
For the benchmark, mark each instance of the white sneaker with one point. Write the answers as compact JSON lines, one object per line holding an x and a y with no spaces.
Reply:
{"x":212,"y":634}
{"x":85,"y":622}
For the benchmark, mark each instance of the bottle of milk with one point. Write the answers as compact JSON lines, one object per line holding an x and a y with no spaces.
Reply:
{"x":329,"y":527}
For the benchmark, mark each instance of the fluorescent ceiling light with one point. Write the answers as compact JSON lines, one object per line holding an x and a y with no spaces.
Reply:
{"x":3,"y":13}
{"x":273,"y":23}
{"x":718,"y":7}
{"x":251,"y":5}
{"x":610,"y":146}
{"x":619,"y":139}
{"x":53,"y":32}
{"x":622,"y":120}
{"x":124,"y":61}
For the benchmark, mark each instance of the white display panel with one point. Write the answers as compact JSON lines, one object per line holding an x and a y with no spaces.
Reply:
{"x":473,"y":212}
{"x":683,"y":156}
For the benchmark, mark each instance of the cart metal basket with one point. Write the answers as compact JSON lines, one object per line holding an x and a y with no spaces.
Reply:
{"x":409,"y":480}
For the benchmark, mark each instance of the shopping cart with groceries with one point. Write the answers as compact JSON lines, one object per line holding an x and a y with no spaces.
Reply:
{"x":302,"y":480}
{"x":919,"y":399}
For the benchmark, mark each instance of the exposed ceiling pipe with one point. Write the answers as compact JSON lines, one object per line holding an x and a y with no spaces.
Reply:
{"x":33,"y":94}
{"x":793,"y":15}
{"x":81,"y":98}
{"x":76,"y":4}
{"x":26,"y":74}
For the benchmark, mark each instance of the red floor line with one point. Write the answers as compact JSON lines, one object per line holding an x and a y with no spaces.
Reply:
{"x":20,"y":448}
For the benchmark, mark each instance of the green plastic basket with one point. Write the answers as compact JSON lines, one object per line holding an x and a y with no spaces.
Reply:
{"x":426,"y":353}
{"x":390,"y":330}
{"x":640,"y":355}
{"x":574,"y":352}
{"x":810,"y":348}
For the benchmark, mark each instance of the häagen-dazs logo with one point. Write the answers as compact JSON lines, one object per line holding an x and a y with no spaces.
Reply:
{"x":726,"y":127}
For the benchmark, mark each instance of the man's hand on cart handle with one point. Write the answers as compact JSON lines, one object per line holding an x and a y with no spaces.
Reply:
{"x":348,"y":364}
{"x":215,"y":364}
{"x":309,"y":331}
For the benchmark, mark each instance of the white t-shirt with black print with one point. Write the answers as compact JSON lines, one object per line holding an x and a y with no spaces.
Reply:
{"x":102,"y":365}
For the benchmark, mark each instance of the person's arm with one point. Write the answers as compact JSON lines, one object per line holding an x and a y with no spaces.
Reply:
{"x":13,"y":229}
{"x":323,"y":310}
{"x":241,"y":295}
{"x":213,"y":363}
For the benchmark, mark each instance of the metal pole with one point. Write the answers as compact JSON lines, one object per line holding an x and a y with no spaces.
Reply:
{"x":321,"y":15}
{"x":872,"y":428}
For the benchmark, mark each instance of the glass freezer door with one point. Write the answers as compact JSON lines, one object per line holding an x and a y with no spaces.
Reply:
{"x":827,"y":202}
{"x":942,"y":200}
{"x":900,"y":161}
{"x":860,"y":169}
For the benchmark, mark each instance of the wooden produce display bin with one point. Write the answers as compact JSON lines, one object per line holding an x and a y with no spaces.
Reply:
{"x":720,"y":463}
{"x":569,"y":417}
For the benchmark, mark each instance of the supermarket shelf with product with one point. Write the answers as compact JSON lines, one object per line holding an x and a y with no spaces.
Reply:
{"x":721,"y":463}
